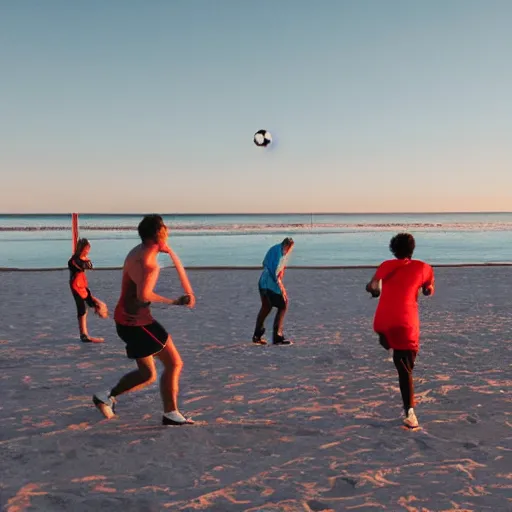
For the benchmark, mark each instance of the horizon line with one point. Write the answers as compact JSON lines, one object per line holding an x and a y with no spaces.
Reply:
{"x":264,"y":213}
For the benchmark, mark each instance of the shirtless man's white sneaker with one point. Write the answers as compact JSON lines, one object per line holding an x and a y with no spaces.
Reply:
{"x":105,"y":404}
{"x":176,"y":418}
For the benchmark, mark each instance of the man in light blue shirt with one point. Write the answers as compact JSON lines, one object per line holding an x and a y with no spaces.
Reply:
{"x":273,"y":293}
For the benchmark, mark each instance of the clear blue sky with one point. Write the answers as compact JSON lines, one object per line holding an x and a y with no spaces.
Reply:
{"x":151,"y":105}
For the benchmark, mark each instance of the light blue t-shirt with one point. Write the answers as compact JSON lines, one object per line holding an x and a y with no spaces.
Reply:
{"x":273,"y":263}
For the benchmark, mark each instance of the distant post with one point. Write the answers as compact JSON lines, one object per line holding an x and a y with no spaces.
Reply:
{"x":74,"y":231}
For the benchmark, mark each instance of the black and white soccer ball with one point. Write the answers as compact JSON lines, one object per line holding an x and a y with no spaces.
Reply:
{"x":262,"y":138}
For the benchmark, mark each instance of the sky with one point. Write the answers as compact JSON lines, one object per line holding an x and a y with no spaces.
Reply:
{"x":151,"y":105}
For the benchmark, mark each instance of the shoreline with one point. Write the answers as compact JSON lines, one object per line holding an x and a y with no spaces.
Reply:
{"x":291,"y":267}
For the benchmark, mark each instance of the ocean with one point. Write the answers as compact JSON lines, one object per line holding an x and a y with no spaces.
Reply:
{"x":226,"y":240}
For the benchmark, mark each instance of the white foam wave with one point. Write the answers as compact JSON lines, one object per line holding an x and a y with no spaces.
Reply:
{"x":302,"y":227}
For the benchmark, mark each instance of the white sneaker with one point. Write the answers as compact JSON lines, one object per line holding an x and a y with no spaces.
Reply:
{"x":176,"y":418}
{"x":105,"y":404}
{"x":411,"y":421}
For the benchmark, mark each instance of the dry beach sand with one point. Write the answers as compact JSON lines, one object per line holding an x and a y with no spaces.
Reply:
{"x":311,"y":427}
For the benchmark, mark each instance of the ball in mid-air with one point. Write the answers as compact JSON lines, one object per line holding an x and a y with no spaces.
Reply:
{"x":262,"y":138}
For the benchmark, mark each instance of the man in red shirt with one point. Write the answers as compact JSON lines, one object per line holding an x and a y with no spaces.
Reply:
{"x":397,"y":323}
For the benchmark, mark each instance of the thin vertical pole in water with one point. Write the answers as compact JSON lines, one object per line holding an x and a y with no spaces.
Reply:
{"x":74,"y":231}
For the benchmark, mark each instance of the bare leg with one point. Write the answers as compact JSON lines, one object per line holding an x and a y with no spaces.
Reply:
{"x":170,"y":379}
{"x":138,"y":379}
{"x":84,"y":334}
{"x":82,"y":325}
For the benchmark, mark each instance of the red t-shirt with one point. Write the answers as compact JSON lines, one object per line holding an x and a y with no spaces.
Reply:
{"x":397,"y":312}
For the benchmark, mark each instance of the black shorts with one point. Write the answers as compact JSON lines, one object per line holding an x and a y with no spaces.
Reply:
{"x":276,"y":299}
{"x":81,"y":303}
{"x":142,"y":340}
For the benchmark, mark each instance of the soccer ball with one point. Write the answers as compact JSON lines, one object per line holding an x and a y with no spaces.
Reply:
{"x":262,"y":138}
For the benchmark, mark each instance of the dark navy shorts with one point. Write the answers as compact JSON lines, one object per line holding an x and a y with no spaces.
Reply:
{"x":276,"y":300}
{"x":142,"y":340}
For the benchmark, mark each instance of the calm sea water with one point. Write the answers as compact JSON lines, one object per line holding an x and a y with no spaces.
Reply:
{"x":44,"y":241}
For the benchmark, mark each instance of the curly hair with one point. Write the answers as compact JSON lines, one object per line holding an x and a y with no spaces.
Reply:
{"x":402,"y":246}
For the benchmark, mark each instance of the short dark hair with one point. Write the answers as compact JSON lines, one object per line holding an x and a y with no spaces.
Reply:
{"x":402,"y":245}
{"x":149,"y":227}
{"x":287,"y":242}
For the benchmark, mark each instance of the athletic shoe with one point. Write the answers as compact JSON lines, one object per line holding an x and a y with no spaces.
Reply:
{"x":105,"y":404}
{"x":411,"y":421}
{"x":258,"y":337}
{"x":281,"y":340}
{"x":176,"y":418}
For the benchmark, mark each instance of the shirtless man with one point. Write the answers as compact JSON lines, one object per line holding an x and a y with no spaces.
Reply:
{"x":396,"y":322}
{"x":145,"y":338}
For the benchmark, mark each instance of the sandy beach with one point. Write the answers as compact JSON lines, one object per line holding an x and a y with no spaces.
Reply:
{"x":311,"y":427}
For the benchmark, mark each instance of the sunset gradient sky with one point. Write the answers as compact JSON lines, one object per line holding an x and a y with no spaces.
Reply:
{"x":151,"y":106}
